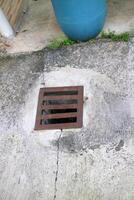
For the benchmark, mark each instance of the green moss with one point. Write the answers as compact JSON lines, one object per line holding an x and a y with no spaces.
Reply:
{"x":57,"y":43}
{"x":116,"y":37}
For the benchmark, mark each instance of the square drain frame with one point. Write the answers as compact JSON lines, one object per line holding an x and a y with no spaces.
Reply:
{"x":60,"y":108}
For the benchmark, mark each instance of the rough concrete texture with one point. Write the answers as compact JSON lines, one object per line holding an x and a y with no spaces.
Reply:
{"x":40,"y":27}
{"x":92,"y":163}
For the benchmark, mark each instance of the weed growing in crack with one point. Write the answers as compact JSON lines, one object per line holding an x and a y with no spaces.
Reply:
{"x":60,"y":42}
{"x":57,"y":43}
{"x":115,"y":37}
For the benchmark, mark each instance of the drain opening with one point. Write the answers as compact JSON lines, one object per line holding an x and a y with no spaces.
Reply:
{"x":60,"y":108}
{"x":59,"y":121}
{"x":59,"y":93}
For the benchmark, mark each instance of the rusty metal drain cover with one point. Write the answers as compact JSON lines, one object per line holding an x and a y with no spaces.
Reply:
{"x":60,"y":108}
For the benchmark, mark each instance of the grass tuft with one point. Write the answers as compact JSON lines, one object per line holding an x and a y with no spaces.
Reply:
{"x":58,"y":43}
{"x":116,"y":37}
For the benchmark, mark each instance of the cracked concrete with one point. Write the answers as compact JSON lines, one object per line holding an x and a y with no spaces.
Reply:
{"x":57,"y":171}
{"x":92,"y":163}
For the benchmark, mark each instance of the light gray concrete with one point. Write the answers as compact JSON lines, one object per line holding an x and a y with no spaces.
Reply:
{"x":92,"y":163}
{"x":39,"y":27}
{"x":120,"y":16}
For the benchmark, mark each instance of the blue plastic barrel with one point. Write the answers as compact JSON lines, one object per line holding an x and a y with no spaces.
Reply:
{"x":80,"y":19}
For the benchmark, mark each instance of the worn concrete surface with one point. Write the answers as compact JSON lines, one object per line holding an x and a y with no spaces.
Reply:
{"x":120,"y":16}
{"x":40,"y":27}
{"x":92,"y":163}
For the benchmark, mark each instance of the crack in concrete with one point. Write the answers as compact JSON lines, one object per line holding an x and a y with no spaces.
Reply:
{"x":57,"y":170}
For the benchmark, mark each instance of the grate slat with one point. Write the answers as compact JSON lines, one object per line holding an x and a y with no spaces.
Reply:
{"x":63,"y":97}
{"x":58,"y":89}
{"x":62,"y":106}
{"x":58,"y":126}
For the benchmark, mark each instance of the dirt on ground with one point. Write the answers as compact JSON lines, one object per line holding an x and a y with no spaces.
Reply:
{"x":4,"y":44}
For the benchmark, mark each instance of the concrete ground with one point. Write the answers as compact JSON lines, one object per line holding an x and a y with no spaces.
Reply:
{"x":92,"y":163}
{"x":39,"y":26}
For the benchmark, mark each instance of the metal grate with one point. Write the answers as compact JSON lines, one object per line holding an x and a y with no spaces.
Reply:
{"x":60,"y":108}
